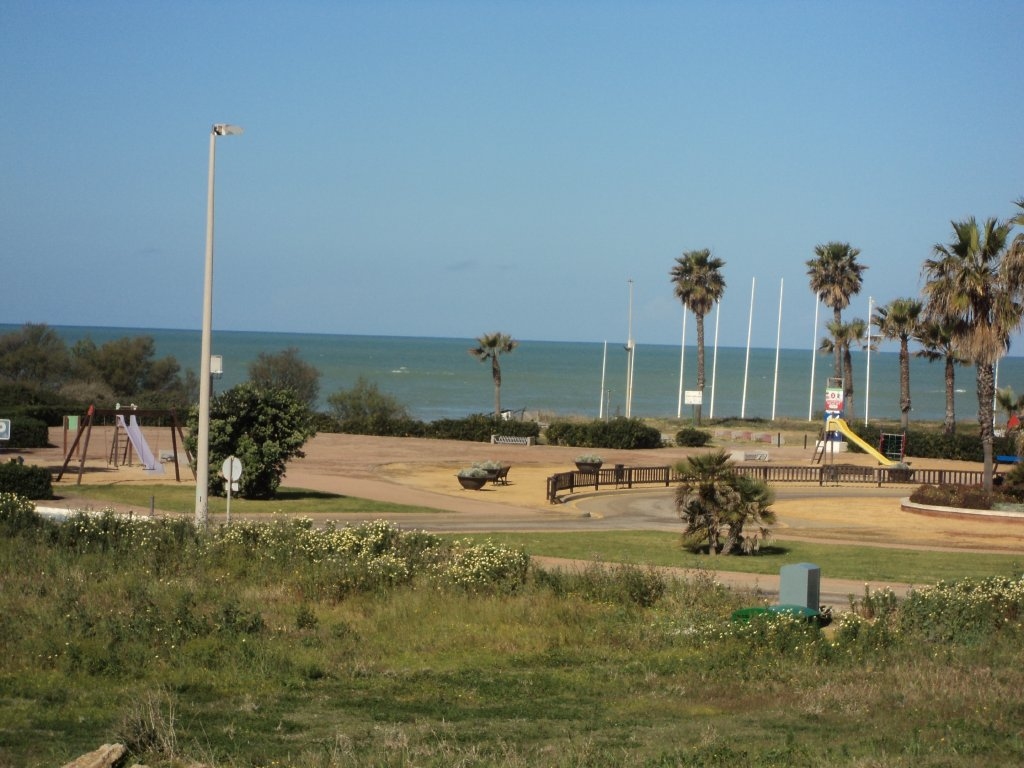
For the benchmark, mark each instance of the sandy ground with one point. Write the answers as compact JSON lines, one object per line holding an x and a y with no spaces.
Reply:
{"x":422,"y":472}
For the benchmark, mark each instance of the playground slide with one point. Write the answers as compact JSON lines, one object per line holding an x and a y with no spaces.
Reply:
{"x":841,"y":426}
{"x":139,"y":444}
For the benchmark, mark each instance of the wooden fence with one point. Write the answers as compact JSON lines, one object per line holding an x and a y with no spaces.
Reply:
{"x":826,"y":474}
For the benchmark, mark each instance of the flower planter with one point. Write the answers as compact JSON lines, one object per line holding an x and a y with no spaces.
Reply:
{"x":589,"y":466}
{"x":472,"y":483}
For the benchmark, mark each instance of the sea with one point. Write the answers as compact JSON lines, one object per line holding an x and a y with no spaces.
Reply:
{"x":437,"y":377}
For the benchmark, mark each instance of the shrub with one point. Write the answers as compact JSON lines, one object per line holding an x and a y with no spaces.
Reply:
{"x":26,"y":480}
{"x":621,"y":433}
{"x":17,"y":514}
{"x":963,"y":496}
{"x":479,"y":427}
{"x":28,"y":432}
{"x":690,"y":437}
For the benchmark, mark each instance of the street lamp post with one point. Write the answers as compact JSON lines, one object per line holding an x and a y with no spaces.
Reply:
{"x":203,"y":447}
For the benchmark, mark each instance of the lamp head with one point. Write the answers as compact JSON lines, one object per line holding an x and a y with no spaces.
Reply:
{"x":224,"y":129}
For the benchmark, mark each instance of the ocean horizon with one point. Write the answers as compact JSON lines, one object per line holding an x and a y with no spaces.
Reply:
{"x":437,"y":377}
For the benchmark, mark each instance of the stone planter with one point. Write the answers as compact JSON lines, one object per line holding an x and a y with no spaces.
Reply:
{"x":472,"y":483}
{"x":591,"y":467}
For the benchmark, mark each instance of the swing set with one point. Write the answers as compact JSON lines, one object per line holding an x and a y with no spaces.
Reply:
{"x":127,"y":438}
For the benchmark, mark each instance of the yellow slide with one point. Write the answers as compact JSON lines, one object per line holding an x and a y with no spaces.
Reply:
{"x":840,"y":425}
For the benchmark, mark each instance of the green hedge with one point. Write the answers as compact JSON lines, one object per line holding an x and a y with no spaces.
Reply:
{"x":936,"y":445}
{"x":25,"y":480}
{"x":621,"y":433}
{"x":689,"y":437}
{"x":27,"y":432}
{"x":479,"y":427}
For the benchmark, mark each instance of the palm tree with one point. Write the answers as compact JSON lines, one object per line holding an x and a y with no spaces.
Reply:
{"x":844,"y":336}
{"x":835,"y":276}
{"x":900,"y":320}
{"x":491,"y":346}
{"x":716,"y":503}
{"x":979,"y":285}
{"x":698,"y":280}
{"x":936,"y":339}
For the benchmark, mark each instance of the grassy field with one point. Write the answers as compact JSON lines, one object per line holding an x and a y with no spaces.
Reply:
{"x":277,"y":644}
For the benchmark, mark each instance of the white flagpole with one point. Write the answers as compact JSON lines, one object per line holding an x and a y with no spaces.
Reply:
{"x":778,"y":344}
{"x":814,"y":357}
{"x":867,"y":382}
{"x":714,"y":360}
{"x":604,"y":368}
{"x":746,"y":367}
{"x":682,"y":365}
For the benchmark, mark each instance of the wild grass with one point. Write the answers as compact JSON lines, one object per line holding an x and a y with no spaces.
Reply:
{"x":277,"y":644}
{"x":182,"y":498}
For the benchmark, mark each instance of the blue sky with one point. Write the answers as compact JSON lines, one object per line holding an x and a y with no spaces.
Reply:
{"x":452,"y":168}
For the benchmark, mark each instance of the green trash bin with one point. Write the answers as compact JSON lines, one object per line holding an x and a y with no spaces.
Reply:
{"x":744,"y":615}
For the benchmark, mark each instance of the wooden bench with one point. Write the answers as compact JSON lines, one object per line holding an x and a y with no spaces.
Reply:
{"x":511,"y":440}
{"x":501,"y":478}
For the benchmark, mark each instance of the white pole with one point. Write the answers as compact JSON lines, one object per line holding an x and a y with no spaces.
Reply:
{"x":682,"y":366}
{"x":746,"y":367}
{"x":629,"y":355}
{"x":203,"y":433}
{"x":604,"y":367}
{"x":814,"y":357}
{"x":714,"y":360}
{"x":867,"y":366}
{"x":778,"y":344}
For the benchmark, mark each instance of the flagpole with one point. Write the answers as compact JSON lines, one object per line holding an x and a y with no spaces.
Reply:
{"x":682,"y":365}
{"x":867,"y":382}
{"x":778,"y":344}
{"x":746,"y":367}
{"x":714,"y":360}
{"x":814,"y":357}
{"x":604,"y":368}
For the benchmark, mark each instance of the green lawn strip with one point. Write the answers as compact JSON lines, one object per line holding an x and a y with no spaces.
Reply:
{"x":839,"y":561}
{"x":294,"y":501}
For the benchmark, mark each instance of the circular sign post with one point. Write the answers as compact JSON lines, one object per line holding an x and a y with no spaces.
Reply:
{"x":231,"y":470}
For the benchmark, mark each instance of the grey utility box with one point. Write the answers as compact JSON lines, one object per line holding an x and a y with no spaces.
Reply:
{"x":800,"y":584}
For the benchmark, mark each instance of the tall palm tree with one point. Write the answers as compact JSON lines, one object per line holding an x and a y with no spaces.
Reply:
{"x":698,"y":280}
{"x":900,"y":320}
{"x":845,"y":336}
{"x":935,"y":336}
{"x":491,"y":346}
{"x":979,"y":284}
{"x":835,"y":276}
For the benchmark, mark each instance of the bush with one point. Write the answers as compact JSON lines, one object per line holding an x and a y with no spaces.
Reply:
{"x":27,"y":432}
{"x":690,"y":437}
{"x":25,"y":480}
{"x":17,"y":514}
{"x":933,"y":444}
{"x":962,"y":496}
{"x":621,"y":433}
{"x":479,"y":427}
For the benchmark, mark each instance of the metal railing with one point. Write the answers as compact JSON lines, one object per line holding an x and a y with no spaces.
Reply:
{"x":827,"y":474}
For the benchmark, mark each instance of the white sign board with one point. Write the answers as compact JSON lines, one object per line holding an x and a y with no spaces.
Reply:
{"x":833,"y":400}
{"x":231,"y":469}
{"x":693,"y":397}
{"x":5,"y":429}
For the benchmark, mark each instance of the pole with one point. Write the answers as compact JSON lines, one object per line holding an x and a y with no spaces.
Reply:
{"x":814,"y":357}
{"x":746,"y":366}
{"x":867,"y":366}
{"x":714,"y":361}
{"x":778,"y":344}
{"x":682,"y":366}
{"x":629,"y":354}
{"x":604,"y":366}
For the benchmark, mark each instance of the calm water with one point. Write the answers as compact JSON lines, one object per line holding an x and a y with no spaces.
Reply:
{"x":437,"y":378}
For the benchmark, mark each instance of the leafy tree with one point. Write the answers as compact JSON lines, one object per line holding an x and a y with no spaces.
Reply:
{"x":286,"y":370}
{"x":936,"y":339}
{"x":698,"y":285}
{"x":264,"y":428}
{"x":491,"y":346}
{"x":34,"y":355}
{"x":365,"y":409}
{"x":127,"y":368}
{"x":717,"y":504}
{"x":978,"y":283}
{"x":900,"y":320}
{"x":835,"y":276}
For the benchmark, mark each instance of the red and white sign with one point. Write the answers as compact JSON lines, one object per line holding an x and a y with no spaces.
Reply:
{"x":833,"y":400}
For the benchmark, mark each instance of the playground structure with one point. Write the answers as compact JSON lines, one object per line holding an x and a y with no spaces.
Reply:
{"x":127,"y":438}
{"x":891,"y":446}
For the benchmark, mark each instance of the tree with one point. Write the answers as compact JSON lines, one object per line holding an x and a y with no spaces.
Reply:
{"x":264,"y":428}
{"x":835,"y":276}
{"x":844,"y":336}
{"x":717,"y":504}
{"x":936,"y":339}
{"x":900,"y":320}
{"x":698,"y":285}
{"x":491,"y":346}
{"x":34,"y":355}
{"x":364,"y":409}
{"x":978,"y":283}
{"x":128,"y":368}
{"x":286,"y":370}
